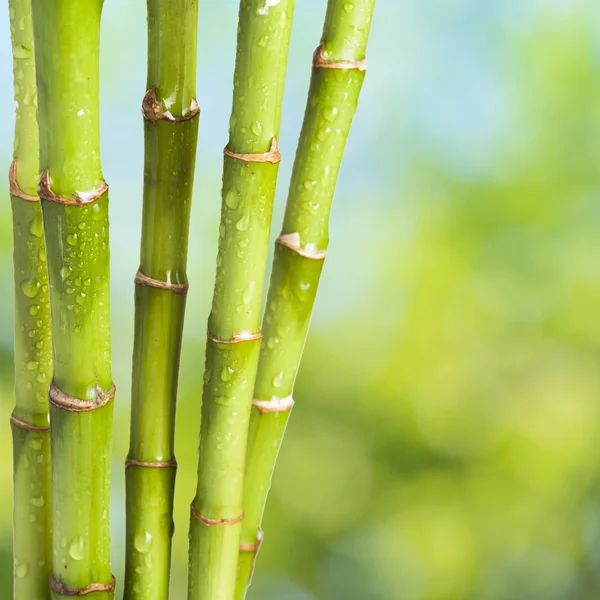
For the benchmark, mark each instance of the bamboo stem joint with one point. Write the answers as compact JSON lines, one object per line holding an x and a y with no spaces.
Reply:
{"x":272,"y":156}
{"x":167,"y":464}
{"x":60,"y":588}
{"x":76,"y":199}
{"x":28,"y":426}
{"x":320,"y":62}
{"x":153,"y":111}
{"x":215,"y":522}
{"x":176,"y":288}
{"x":253,"y":546}
{"x":238,"y":338}
{"x":15,"y":188}
{"x":275,"y":405}
{"x":71,"y":404}
{"x":292,"y":242}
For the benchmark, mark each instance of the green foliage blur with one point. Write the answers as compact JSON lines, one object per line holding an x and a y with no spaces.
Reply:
{"x":445,"y":439}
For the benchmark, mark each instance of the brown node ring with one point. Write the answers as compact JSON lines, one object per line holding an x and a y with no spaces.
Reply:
{"x":320,"y":62}
{"x":238,"y":338}
{"x":58,"y":587}
{"x":45,"y":193}
{"x":176,"y":288}
{"x":292,"y":242}
{"x":272,"y":156}
{"x":215,"y":522}
{"x":71,"y":404}
{"x":274,"y":406}
{"x":153,"y":111}
{"x":27,"y":426}
{"x":253,"y":546}
{"x":167,"y":464}
{"x":15,"y":188}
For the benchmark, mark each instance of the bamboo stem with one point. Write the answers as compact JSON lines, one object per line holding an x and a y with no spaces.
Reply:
{"x":32,"y":537}
{"x":249,"y":179}
{"x":75,"y":209}
{"x":171,"y":131}
{"x":338,"y":73}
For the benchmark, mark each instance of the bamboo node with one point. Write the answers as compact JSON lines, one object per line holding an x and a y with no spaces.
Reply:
{"x":253,"y":546}
{"x":215,"y":522}
{"x":78,"y":199}
{"x":176,"y":288}
{"x":275,"y":405}
{"x":165,"y":464}
{"x":58,"y":587}
{"x":15,"y":188}
{"x":272,"y":156}
{"x":292,"y":242}
{"x":71,"y":404}
{"x":28,"y":426}
{"x":320,"y":62}
{"x":153,"y":111}
{"x":238,"y":338}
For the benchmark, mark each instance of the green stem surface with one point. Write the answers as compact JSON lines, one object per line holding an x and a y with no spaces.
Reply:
{"x":331,"y":106}
{"x":234,"y":324}
{"x":170,"y":155}
{"x":32,"y":536}
{"x":67,"y":38}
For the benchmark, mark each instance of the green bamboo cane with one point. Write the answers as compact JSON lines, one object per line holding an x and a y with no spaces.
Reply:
{"x":171,"y":132}
{"x":338,"y":73}
{"x":75,"y":209}
{"x":32,"y":537}
{"x":249,"y":179}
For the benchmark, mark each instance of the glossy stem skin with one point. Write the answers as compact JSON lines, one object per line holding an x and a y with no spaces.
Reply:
{"x":78,"y":272}
{"x":234,"y":324}
{"x":32,"y":528}
{"x":331,"y":106}
{"x":170,"y":155}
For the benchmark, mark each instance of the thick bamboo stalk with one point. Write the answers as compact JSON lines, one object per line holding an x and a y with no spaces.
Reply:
{"x":32,"y":529}
{"x":75,"y":208}
{"x":171,"y":132}
{"x":249,"y":179}
{"x":338,"y":73}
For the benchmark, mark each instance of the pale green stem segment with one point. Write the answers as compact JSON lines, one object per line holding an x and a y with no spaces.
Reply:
{"x":249,"y":179}
{"x":161,"y":287}
{"x":75,"y":211}
{"x":32,"y":533}
{"x":338,"y":73}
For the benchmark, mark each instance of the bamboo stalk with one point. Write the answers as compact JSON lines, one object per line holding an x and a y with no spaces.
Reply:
{"x":32,"y":529}
{"x":338,"y":73}
{"x":249,"y":179}
{"x":75,"y":209}
{"x":171,"y":132}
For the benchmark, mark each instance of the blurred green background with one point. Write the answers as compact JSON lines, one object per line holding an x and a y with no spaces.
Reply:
{"x":445,"y":441}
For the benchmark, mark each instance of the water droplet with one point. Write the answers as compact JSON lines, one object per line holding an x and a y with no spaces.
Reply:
{"x":227,"y":374}
{"x":65,"y":272}
{"x":30,"y":287}
{"x":41,"y":378}
{"x":278,"y":379}
{"x":34,"y":309}
{"x":21,"y":570}
{"x":263,"y":41}
{"x":37,"y":501}
{"x":35,"y":228}
{"x":19,"y":51}
{"x":143,"y":541}
{"x":256,"y":128}
{"x":76,"y":549}
{"x":348,"y":7}
{"x":309,"y":184}
{"x":72,"y":239}
{"x":32,"y":365}
{"x":80,"y":298}
{"x":232,"y":199}
{"x":243,"y":223}
{"x":272,"y":342}
{"x":35,"y":444}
